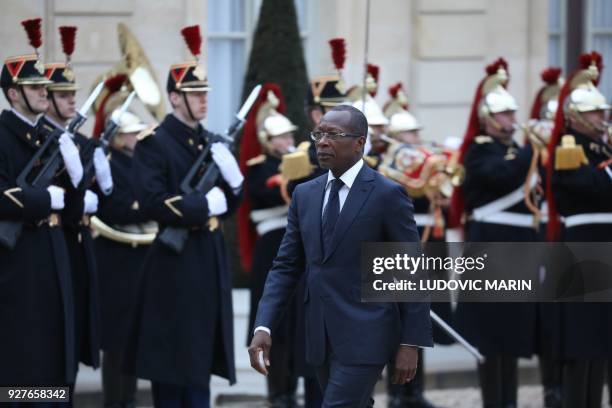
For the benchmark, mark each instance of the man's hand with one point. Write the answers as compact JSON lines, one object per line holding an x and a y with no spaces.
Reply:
{"x":261,"y":343}
{"x":406,"y":361}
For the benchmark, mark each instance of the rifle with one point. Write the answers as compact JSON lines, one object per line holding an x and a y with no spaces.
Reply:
{"x":111,"y":129}
{"x":50,"y":152}
{"x":176,"y":237}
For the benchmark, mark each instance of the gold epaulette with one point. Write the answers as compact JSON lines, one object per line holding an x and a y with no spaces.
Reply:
{"x":370,"y":160}
{"x":303,"y":147}
{"x":296,"y":166}
{"x":569,"y":156}
{"x":146,"y":133}
{"x":256,"y":160}
{"x":483,"y":139}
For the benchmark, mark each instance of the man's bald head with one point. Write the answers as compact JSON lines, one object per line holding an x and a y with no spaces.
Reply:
{"x":350,"y":119}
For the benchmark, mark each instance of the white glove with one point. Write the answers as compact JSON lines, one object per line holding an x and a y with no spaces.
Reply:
{"x":103,"y":171}
{"x":91,"y":202}
{"x":57,"y":197}
{"x":72,"y":160}
{"x":217,"y":203}
{"x":227,"y":165}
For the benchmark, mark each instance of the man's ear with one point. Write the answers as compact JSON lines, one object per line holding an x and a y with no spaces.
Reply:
{"x":361,"y":143}
{"x":13,"y":95}
{"x":174,"y":99}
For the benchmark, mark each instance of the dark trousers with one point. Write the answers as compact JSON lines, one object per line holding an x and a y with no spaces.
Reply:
{"x":499,"y":381}
{"x":119,"y":388}
{"x":347,"y":385}
{"x":583,"y":383}
{"x":282,"y":383}
{"x":175,"y":396}
{"x":313,"y":398}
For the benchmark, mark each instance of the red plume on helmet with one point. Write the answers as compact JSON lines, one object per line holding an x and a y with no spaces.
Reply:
{"x":33,"y":30}
{"x":394,"y":90}
{"x":250,"y":148}
{"x":550,"y":76}
{"x":112,"y":85}
{"x":338,"y":47}
{"x":457,"y":205}
{"x":592,"y":58}
{"x":68,"y":36}
{"x":374,"y":72}
{"x":553,"y":227}
{"x":193,"y":39}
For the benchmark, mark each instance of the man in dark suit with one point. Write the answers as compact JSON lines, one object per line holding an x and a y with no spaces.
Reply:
{"x":349,"y":342}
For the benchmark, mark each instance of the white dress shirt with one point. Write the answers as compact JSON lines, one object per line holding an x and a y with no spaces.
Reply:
{"x":348,"y":178}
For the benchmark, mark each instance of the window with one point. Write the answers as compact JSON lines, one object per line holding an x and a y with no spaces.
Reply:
{"x":230,"y":28}
{"x":556,"y":33}
{"x":599,"y":37}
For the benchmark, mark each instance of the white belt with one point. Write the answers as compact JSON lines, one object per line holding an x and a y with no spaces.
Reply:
{"x":588,"y":218}
{"x":544,"y":212}
{"x":271,"y":225}
{"x":502,"y":203}
{"x":423,"y":220}
{"x":509,"y":218}
{"x":265,"y":213}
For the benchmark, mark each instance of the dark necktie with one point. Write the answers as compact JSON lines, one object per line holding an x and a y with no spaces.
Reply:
{"x":330,"y":215}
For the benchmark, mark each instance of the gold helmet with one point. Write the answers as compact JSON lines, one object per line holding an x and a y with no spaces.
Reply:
{"x":271,"y":123}
{"x":584,"y":95}
{"x":367,"y":105}
{"x":495,"y":97}
{"x":547,"y":98}
{"x":396,"y":109}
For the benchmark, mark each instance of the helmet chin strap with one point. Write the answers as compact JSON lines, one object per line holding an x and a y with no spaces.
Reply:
{"x":585,"y":123}
{"x":498,"y":126}
{"x":188,"y":107}
{"x":57,"y":111}
{"x":27,"y":102}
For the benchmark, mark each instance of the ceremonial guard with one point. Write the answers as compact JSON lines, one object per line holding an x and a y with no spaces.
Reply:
{"x":363,"y":99}
{"x":123,"y":236}
{"x":492,"y":201}
{"x":580,"y":190}
{"x":538,"y":131}
{"x":82,"y":203}
{"x":324,"y":92}
{"x":405,"y":139}
{"x":184,"y":327}
{"x":36,"y":306}
{"x":267,"y":217}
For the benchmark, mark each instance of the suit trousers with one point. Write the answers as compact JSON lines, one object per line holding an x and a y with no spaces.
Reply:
{"x":347,"y":385}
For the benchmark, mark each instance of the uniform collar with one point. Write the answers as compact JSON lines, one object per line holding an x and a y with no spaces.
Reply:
{"x":349,"y":176}
{"x":20,"y":128}
{"x":23,"y":118}
{"x":53,"y":123}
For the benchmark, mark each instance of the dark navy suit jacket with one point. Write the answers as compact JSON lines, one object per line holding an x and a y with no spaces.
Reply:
{"x":376,"y":210}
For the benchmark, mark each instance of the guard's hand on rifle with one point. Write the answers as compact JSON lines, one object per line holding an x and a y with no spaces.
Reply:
{"x":217,"y":203}
{"x":91,"y":202}
{"x":71,"y":157}
{"x":227,"y":165}
{"x":103,"y":171}
{"x":57,"y":197}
